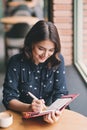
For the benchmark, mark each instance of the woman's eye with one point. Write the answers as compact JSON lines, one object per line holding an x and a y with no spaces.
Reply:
{"x":40,"y":48}
{"x":52,"y":50}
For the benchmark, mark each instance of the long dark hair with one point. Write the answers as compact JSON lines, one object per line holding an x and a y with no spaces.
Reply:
{"x":43,"y":30}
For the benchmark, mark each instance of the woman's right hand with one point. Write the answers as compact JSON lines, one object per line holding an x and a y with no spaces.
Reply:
{"x":38,"y":105}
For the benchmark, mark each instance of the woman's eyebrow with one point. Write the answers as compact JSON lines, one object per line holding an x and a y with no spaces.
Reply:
{"x":46,"y":48}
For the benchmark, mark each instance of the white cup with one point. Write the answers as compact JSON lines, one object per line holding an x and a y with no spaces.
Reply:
{"x":6,"y":119}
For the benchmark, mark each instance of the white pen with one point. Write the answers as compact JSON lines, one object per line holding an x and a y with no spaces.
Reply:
{"x":34,"y":97}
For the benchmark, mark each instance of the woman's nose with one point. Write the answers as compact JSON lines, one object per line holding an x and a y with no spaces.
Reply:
{"x":46,"y":54}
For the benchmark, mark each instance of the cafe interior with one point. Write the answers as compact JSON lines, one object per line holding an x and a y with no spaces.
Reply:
{"x":18,"y":15}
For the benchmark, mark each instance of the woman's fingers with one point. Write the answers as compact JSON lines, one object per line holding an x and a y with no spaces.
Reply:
{"x":44,"y":106}
{"x":48,"y":118}
{"x":52,"y":117}
{"x":58,"y":113}
{"x":55,"y":115}
{"x":38,"y":105}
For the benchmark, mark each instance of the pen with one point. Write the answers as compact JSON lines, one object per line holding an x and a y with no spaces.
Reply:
{"x":34,"y":97}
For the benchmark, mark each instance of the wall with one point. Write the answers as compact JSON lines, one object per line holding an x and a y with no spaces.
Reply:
{"x":63,"y":19}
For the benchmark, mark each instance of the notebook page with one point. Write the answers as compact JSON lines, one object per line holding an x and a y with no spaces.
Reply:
{"x":59,"y":103}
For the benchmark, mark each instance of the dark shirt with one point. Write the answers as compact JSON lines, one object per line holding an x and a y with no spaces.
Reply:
{"x":24,"y":76}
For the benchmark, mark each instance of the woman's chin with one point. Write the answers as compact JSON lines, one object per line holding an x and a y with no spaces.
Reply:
{"x":42,"y":61}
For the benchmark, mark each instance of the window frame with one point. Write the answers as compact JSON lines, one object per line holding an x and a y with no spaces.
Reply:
{"x":78,"y":38}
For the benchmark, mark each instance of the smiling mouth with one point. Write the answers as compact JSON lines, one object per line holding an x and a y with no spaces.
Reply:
{"x":42,"y":58}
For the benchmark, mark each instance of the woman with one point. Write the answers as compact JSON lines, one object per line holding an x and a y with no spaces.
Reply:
{"x":39,"y":69}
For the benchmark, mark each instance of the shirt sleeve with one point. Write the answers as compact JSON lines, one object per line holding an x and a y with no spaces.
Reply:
{"x":60,"y":88}
{"x":10,"y":86}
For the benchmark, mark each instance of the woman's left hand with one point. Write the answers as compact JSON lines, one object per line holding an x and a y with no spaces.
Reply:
{"x":52,"y":117}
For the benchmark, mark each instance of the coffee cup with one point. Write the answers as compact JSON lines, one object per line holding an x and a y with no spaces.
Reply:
{"x":6,"y":119}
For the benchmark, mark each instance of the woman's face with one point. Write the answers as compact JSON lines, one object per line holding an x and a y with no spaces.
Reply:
{"x":42,"y":51}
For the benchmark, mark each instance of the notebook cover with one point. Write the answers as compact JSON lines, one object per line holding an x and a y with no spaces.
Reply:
{"x":71,"y":97}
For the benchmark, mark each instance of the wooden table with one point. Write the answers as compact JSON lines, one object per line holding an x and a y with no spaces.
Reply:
{"x":30,"y":4}
{"x":69,"y":121}
{"x":19,"y":19}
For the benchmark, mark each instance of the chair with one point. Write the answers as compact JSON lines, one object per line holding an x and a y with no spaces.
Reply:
{"x":21,"y":10}
{"x":14,"y":39}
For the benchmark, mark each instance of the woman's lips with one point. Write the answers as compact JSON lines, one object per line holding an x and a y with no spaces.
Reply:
{"x":42,"y":58}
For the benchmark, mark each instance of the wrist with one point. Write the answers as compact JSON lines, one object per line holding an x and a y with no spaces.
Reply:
{"x":29,"y":108}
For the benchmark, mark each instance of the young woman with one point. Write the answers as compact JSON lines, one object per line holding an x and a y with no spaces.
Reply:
{"x":39,"y":69}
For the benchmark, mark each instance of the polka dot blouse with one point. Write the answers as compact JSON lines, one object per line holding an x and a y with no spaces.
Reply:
{"x":23,"y":76}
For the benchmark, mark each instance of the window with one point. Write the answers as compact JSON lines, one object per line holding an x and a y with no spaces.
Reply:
{"x":80,"y":36}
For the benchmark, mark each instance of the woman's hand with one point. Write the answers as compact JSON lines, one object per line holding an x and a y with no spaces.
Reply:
{"x":52,"y":117}
{"x":38,"y":105}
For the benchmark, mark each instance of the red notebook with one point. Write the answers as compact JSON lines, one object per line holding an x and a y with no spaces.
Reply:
{"x":59,"y":104}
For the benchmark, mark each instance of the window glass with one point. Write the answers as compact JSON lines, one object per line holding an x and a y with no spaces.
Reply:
{"x":80,"y":36}
{"x":84,"y":45}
